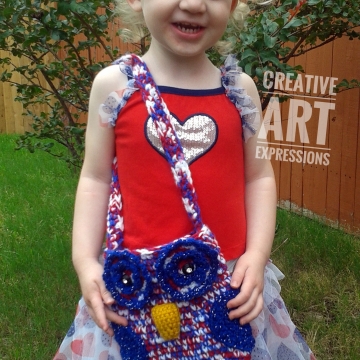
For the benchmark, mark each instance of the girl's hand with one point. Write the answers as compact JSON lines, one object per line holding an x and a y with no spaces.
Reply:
{"x":97,"y":298}
{"x":249,"y":274}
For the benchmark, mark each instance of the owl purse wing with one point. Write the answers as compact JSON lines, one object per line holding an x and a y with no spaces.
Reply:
{"x":174,"y":296}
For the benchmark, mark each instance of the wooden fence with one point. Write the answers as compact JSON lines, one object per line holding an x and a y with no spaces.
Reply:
{"x":309,"y":182}
{"x":327,"y":188}
{"x":11,"y":119}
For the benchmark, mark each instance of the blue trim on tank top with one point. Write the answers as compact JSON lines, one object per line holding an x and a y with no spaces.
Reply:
{"x":191,"y":92}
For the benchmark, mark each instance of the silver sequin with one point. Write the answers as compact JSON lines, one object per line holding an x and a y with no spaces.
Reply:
{"x":197,"y":135}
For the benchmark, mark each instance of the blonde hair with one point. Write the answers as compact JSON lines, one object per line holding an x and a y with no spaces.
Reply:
{"x":134,"y":27}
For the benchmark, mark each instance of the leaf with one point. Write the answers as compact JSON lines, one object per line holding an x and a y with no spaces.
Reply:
{"x":259,"y":72}
{"x":248,"y":68}
{"x":77,"y":131}
{"x":280,"y":21}
{"x":313,"y":2}
{"x":58,"y":35}
{"x":269,"y":41}
{"x":74,"y":6}
{"x":46,"y":19}
{"x":63,"y":7}
{"x":247,"y":54}
{"x":5,"y":76}
{"x":293,"y":23}
{"x":55,"y":34}
{"x":7,"y":12}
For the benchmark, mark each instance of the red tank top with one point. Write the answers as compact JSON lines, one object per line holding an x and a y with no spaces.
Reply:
{"x":209,"y":128}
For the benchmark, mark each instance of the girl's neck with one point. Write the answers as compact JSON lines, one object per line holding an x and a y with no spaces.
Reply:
{"x":195,"y":72}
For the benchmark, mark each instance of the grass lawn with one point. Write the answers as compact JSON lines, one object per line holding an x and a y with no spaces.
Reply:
{"x":38,"y":287}
{"x":39,"y":290}
{"x":322,"y":284}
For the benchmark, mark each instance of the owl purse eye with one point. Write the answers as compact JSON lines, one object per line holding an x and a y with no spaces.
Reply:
{"x":127,"y":279}
{"x":186,"y":268}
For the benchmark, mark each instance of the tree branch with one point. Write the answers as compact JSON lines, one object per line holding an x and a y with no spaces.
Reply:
{"x":81,"y":61}
{"x":81,"y":107}
{"x":296,"y":46}
{"x":78,"y":82}
{"x":57,"y":95}
{"x":96,"y":35}
{"x":317,"y":46}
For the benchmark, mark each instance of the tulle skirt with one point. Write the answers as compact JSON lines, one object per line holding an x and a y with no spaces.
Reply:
{"x":276,"y":337}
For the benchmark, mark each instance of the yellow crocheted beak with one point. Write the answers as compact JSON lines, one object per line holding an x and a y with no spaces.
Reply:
{"x":167,"y":320}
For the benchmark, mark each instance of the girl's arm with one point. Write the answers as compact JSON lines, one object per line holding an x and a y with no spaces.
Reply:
{"x":260,"y":206}
{"x":91,"y":202}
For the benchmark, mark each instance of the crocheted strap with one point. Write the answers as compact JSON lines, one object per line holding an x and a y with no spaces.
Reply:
{"x":159,"y":113}
{"x":115,"y":221}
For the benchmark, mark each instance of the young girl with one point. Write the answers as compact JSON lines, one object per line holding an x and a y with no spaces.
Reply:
{"x":220,"y":148}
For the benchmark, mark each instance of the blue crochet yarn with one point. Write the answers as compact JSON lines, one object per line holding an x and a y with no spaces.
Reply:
{"x":127,"y":279}
{"x":132,"y":348}
{"x":227,"y":331}
{"x":180,"y":285}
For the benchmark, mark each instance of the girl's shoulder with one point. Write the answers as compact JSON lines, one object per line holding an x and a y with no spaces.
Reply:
{"x":115,"y":85}
{"x":110,"y":79}
{"x":242,"y":92}
{"x":247,"y":82}
{"x":233,"y":76}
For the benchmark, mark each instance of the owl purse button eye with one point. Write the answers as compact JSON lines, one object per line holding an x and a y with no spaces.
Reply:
{"x":187,"y":268}
{"x":127,"y":279}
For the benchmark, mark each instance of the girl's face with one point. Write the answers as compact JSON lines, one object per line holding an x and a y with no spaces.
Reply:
{"x":185,"y":27}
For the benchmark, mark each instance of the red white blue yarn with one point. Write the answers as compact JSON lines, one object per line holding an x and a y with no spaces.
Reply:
{"x":168,"y":137}
{"x":115,"y":221}
{"x":143,"y":278}
{"x":206,"y":330}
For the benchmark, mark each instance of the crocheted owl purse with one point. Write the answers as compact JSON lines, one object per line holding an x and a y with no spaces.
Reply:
{"x":174,"y":296}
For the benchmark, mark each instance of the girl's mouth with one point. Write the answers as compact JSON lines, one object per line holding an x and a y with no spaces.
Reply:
{"x":188,"y":28}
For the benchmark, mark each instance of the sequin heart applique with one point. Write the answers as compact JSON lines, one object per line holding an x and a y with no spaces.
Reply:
{"x":197,"y":134}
